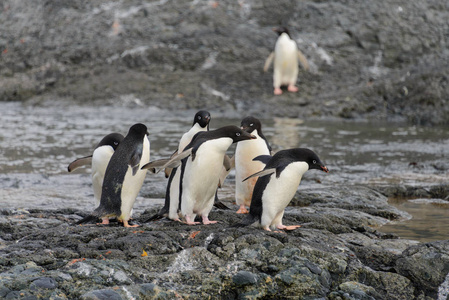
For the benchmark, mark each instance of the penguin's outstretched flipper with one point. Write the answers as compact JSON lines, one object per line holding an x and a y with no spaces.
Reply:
{"x":155,"y":164}
{"x":80,"y":162}
{"x":261,"y":173}
{"x":263,"y":158}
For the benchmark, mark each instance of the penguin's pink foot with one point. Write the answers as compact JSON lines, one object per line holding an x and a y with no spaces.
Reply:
{"x":126,"y":224}
{"x":104,"y":221}
{"x":277,"y":91}
{"x":242,"y":210}
{"x":292,"y":88}
{"x":267,"y":228}
{"x":190,"y":222}
{"x":206,"y":221}
{"x":291,"y":227}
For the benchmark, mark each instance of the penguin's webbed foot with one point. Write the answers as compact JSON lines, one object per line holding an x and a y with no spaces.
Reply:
{"x":190,"y":222}
{"x":104,"y":221}
{"x":277,"y":91}
{"x":291,"y":227}
{"x":127,"y":225}
{"x":206,"y":221}
{"x":242,"y":210}
{"x":292,"y":88}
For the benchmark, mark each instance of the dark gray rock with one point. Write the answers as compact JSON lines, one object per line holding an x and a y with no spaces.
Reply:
{"x":426,"y":265}
{"x":379,"y":60}
{"x":101,"y":295}
{"x":243,"y":278}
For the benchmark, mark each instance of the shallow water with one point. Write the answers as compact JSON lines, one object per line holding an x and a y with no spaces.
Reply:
{"x":38,"y":143}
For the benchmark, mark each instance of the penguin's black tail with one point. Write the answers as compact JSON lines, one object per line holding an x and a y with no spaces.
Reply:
{"x":162,"y":213}
{"x":154,"y":218}
{"x":248,"y":220}
{"x":87,"y":219}
{"x":220,"y":205}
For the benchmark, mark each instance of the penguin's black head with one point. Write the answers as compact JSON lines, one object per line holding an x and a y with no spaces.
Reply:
{"x":310,"y":157}
{"x":112,"y":139}
{"x":138,"y":129}
{"x":202,"y":118}
{"x":281,"y":30}
{"x":249,"y":124}
{"x":236,"y":134}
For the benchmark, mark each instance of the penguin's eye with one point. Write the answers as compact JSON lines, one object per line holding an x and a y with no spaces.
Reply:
{"x":199,"y":117}
{"x":314,"y":161}
{"x":237,"y":134}
{"x":115,"y":143}
{"x":251,"y":125}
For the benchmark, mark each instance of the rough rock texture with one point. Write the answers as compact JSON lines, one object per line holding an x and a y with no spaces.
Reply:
{"x":375,"y":59}
{"x":336,"y":254}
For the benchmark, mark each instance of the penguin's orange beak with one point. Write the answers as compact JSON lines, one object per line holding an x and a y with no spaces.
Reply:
{"x":325,"y":169}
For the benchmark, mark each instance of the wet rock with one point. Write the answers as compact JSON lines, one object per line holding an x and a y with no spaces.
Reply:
{"x":101,"y":295}
{"x":426,"y":265}
{"x":243,"y":278}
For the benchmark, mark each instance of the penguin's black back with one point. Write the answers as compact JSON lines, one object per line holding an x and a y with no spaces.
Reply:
{"x":110,"y":202}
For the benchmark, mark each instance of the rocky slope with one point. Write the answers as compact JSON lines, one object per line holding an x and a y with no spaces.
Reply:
{"x":379,"y":60}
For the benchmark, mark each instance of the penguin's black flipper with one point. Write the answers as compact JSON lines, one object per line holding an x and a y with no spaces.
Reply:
{"x":83,"y":161}
{"x":248,"y":220}
{"x":264,"y":172}
{"x":263,"y":158}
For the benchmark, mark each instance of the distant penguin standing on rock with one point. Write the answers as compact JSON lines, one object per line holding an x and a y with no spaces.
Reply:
{"x":99,"y":160}
{"x":277,"y":184}
{"x":200,"y":123}
{"x":124,"y":177}
{"x":245,"y":166}
{"x":286,"y":56}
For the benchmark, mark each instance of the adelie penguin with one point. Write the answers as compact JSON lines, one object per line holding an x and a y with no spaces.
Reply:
{"x":277,"y":184}
{"x":200,"y":123}
{"x":123,"y":177}
{"x":200,"y":163}
{"x":245,"y":166}
{"x":99,"y":160}
{"x":286,"y":56}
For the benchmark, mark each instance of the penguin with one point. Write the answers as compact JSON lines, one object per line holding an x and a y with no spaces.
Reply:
{"x":124,"y":177}
{"x":286,"y":56}
{"x":245,"y":166}
{"x":200,"y":123}
{"x":277,"y":184}
{"x":99,"y":161}
{"x":200,"y":164}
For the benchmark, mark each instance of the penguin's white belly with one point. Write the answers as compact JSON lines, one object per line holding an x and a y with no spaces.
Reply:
{"x":201,"y":176}
{"x":245,"y":166}
{"x":132,"y":184}
{"x":100,"y":160}
{"x":285,"y":61}
{"x":279,"y":191}
{"x":187,"y":137}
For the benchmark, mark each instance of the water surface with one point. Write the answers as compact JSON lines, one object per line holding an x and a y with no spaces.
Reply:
{"x":38,"y":143}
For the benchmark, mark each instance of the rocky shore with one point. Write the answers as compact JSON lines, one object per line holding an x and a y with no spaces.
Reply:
{"x":338,"y":253}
